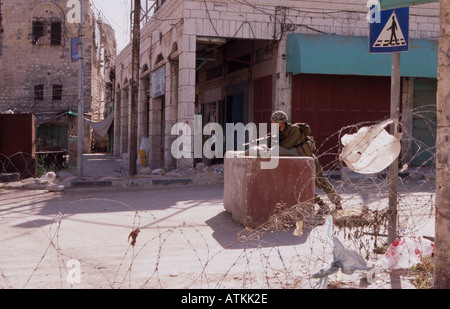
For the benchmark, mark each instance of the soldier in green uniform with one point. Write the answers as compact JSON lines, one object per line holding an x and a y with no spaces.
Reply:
{"x":295,"y":137}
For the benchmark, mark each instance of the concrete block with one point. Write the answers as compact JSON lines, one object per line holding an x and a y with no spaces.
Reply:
{"x":251,"y":193}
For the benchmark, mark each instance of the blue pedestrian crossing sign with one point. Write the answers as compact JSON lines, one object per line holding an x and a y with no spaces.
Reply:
{"x":391,"y":34}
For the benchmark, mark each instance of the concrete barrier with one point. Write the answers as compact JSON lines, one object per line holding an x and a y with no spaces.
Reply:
{"x":251,"y":193}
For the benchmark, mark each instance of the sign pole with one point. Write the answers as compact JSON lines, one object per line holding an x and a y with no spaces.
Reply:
{"x":391,"y":35}
{"x":393,"y":169}
{"x":80,"y":98}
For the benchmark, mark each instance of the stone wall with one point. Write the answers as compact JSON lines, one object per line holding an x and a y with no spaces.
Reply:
{"x":25,"y":63}
{"x":35,"y":60}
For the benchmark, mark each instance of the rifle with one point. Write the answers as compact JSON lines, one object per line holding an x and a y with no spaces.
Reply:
{"x":268,"y":136}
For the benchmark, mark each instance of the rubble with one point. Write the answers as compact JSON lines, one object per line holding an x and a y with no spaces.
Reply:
{"x":199,"y":166}
{"x":52,"y":187}
{"x":45,"y":182}
{"x":145,"y":171}
{"x":59,"y":181}
{"x":158,"y":171}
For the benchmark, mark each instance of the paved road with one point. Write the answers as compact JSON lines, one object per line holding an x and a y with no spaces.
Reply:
{"x":79,"y":238}
{"x":183,"y":240}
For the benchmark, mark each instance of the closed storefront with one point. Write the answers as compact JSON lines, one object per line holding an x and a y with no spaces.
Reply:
{"x":329,"y":103}
{"x":337,"y":83}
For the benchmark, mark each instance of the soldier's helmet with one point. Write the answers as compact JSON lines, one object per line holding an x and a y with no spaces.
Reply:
{"x":279,"y":117}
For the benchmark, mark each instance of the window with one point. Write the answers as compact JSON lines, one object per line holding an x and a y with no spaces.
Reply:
{"x":57,"y":93}
{"x":159,"y":58}
{"x":39,"y":92}
{"x":38,"y":32}
{"x":46,"y":32}
{"x":55,"y":34}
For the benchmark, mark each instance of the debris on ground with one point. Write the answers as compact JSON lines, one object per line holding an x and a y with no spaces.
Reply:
{"x":357,"y":222}
{"x":423,"y":273}
{"x":406,"y":252}
{"x":359,"y":217}
{"x":49,"y":177}
{"x":133,"y":235}
{"x":344,"y":260}
{"x":199,"y":169}
{"x":57,"y":182}
{"x":48,"y":181}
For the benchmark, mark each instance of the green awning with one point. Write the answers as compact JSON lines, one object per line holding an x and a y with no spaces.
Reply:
{"x":395,"y":4}
{"x":349,"y":55}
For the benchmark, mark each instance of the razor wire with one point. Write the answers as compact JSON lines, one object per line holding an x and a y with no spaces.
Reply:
{"x":285,"y":252}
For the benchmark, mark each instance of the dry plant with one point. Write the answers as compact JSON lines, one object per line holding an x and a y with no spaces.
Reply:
{"x":283,"y":218}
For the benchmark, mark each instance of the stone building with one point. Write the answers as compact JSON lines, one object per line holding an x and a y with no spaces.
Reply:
{"x":237,"y":61}
{"x":38,"y":75}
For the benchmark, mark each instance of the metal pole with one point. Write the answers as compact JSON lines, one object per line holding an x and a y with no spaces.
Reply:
{"x":135,"y":86}
{"x":393,"y":169}
{"x":80,"y":97}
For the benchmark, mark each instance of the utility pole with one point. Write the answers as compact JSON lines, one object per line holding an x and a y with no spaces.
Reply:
{"x":135,"y":85}
{"x":80,"y":97}
{"x":442,"y":228}
{"x":393,"y":169}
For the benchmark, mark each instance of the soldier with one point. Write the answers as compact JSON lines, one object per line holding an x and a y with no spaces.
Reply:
{"x":295,"y":137}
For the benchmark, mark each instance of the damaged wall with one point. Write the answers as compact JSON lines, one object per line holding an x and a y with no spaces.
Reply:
{"x":37,"y":72}
{"x":37,"y":57}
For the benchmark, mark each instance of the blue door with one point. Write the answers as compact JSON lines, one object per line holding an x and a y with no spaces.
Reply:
{"x":235,"y":111}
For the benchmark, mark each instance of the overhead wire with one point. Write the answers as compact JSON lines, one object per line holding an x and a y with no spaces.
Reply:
{"x":271,"y":11}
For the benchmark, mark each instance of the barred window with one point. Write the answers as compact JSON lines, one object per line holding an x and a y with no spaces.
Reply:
{"x":55,"y":34}
{"x":57,"y":92}
{"x":39,"y":92}
{"x":38,"y":32}
{"x":45,"y":33}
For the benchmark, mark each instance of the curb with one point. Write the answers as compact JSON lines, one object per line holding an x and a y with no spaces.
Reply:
{"x":86,"y":184}
{"x":90,"y":183}
{"x":128,"y":182}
